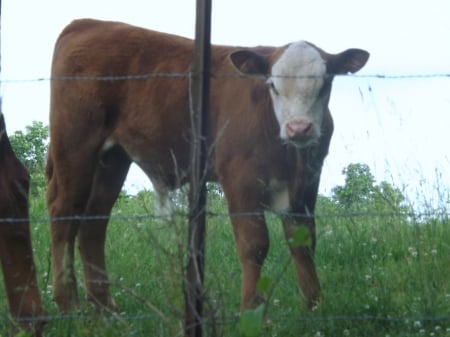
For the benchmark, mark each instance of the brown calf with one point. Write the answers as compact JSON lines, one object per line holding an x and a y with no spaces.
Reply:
{"x":16,"y":253}
{"x":270,"y":133}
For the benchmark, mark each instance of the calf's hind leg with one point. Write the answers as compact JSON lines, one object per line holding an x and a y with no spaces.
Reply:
{"x":110,"y":175}
{"x":69,"y":183}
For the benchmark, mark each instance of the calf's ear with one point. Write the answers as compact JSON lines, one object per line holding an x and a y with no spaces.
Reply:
{"x":249,"y":62}
{"x":349,"y":61}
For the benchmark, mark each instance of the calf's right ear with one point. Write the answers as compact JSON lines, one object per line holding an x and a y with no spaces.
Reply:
{"x":249,"y":62}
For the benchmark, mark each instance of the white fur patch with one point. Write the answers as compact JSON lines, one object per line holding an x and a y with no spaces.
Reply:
{"x":296,"y":81}
{"x":280,"y":196}
{"x":164,"y":206}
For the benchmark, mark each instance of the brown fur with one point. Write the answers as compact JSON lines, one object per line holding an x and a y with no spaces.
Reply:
{"x":16,"y":253}
{"x":148,"y":121}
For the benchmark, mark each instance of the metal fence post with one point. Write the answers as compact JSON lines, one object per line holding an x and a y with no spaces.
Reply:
{"x":199,"y":102}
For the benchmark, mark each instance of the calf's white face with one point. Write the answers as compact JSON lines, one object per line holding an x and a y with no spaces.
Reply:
{"x":299,"y":80}
{"x":296,"y":86}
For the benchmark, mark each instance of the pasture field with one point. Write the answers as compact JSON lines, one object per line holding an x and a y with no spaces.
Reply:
{"x":381,"y":274}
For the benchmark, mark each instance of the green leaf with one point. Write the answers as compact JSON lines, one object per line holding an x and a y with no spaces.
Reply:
{"x":263,"y":284}
{"x":301,"y":237}
{"x":251,"y":321}
{"x":23,"y":333}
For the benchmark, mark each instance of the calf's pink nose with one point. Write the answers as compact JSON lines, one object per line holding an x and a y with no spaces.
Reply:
{"x":298,"y":128}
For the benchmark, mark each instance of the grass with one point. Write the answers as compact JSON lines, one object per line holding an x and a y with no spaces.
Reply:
{"x":380,"y":275}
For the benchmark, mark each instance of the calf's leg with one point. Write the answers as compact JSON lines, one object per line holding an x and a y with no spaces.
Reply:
{"x":109,"y":177}
{"x":243,"y":194}
{"x":65,"y":291}
{"x":69,"y":184}
{"x":252,"y":244}
{"x":303,"y":256}
{"x":20,"y":276}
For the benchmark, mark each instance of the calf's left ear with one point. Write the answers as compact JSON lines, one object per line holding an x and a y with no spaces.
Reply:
{"x":349,"y":61}
{"x":249,"y":62}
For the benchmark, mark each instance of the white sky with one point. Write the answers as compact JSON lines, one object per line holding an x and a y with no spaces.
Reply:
{"x":400,"y":127}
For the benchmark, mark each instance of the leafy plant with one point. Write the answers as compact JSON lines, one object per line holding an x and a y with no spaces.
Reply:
{"x":252,"y":321}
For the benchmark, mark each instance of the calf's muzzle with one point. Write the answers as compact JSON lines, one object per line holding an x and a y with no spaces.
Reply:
{"x":299,"y":131}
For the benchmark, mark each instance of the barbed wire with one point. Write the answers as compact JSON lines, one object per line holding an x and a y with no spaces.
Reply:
{"x":184,"y":75}
{"x":434,"y":213}
{"x":235,"y":318}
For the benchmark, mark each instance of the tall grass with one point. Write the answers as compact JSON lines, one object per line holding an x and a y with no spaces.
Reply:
{"x":380,"y":275}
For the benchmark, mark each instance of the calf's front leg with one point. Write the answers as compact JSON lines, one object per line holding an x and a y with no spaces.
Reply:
{"x":245,"y":194}
{"x":252,"y":244}
{"x":303,"y":255}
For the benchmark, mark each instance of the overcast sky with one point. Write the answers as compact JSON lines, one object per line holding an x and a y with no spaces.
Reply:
{"x":400,"y":127}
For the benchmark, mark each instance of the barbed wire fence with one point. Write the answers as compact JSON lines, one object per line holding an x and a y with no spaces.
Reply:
{"x":227,"y":319}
